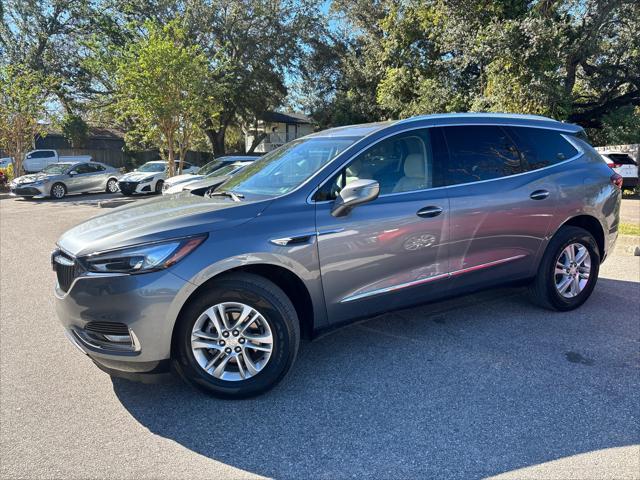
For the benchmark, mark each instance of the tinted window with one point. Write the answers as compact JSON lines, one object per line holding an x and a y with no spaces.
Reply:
{"x":402,"y":163}
{"x":540,"y":147}
{"x":480,"y":153}
{"x":84,"y":168}
{"x":43,"y":154}
{"x":621,"y":158}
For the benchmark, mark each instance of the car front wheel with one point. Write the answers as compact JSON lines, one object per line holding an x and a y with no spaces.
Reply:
{"x":569,"y":270}
{"x":159,"y":185}
{"x":58,"y":191}
{"x":238,"y":339}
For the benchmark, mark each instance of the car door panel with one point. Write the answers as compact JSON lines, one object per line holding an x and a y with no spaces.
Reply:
{"x":382,"y":255}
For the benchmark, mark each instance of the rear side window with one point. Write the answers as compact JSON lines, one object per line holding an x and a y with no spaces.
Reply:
{"x":541,"y":147}
{"x":478,"y":152}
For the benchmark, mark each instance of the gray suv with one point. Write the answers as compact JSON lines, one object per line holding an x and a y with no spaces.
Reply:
{"x":339,"y":225}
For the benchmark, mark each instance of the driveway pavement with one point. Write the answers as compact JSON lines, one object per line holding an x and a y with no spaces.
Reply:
{"x":480,"y":386}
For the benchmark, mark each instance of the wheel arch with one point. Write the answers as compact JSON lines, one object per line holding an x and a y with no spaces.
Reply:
{"x":290,"y":283}
{"x":592,"y":225}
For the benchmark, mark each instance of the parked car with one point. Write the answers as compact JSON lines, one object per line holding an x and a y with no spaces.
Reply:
{"x":623,"y":165}
{"x":59,"y":179}
{"x":149,"y":178}
{"x":36,"y":160}
{"x":338,"y":225}
{"x":5,"y":162}
{"x":204,"y":171}
{"x":199,"y":184}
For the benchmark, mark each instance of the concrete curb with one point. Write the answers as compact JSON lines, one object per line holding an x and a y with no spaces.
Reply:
{"x":629,"y":244}
{"x":114,"y":203}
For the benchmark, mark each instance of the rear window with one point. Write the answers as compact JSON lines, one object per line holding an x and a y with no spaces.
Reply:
{"x":541,"y":147}
{"x":621,"y":158}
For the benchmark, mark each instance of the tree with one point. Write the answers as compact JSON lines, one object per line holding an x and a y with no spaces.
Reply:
{"x":23,"y":96}
{"x":160,"y":89}
{"x":46,"y":36}
{"x":75,"y":130}
{"x":575,"y":60}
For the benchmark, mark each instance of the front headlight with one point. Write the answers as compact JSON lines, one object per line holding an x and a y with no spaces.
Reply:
{"x":38,"y":183}
{"x":147,"y":179}
{"x":142,"y":258}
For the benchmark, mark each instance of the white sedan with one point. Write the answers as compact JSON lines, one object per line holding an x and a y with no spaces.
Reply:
{"x":623,"y":165}
{"x":149,"y":178}
{"x":182,"y":182}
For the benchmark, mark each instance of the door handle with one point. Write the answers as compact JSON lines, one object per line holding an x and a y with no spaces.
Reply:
{"x":428,"y":212}
{"x":539,"y":195}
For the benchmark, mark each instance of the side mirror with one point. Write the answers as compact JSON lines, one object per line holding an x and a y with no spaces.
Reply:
{"x":355,"y":193}
{"x":73,"y":172}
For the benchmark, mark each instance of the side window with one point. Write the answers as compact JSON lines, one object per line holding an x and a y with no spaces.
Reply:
{"x":479,"y":152}
{"x":96,"y":167}
{"x":541,"y":147}
{"x":402,"y":163}
{"x":83,"y":168}
{"x":186,"y":166}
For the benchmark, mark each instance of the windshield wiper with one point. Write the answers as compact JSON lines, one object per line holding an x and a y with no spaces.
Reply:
{"x":226,"y":193}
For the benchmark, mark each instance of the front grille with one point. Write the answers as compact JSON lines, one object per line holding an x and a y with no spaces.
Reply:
{"x":127,"y":187}
{"x":107,"y":328}
{"x":66,"y":268}
{"x":27,"y":191}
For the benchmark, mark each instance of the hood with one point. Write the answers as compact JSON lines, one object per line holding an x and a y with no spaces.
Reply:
{"x":137,"y":176}
{"x":34,"y":177}
{"x":207,"y":182}
{"x":187,"y":177}
{"x":157,"y":219}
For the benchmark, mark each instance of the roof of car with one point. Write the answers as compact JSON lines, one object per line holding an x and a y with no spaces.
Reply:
{"x":451,"y":118}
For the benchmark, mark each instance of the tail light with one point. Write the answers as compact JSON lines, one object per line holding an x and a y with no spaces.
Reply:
{"x":614,"y":165}
{"x":617,"y":180}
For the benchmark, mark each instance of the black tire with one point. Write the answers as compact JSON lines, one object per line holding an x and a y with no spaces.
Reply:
{"x":276,"y":308}
{"x":543,"y":289}
{"x":110,"y":182}
{"x":158,"y":188}
{"x":56,"y":193}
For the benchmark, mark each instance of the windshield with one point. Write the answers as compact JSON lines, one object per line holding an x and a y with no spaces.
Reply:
{"x":285,"y":168}
{"x":153,"y":167}
{"x":210,"y":167}
{"x":226,"y":170}
{"x":57,"y":168}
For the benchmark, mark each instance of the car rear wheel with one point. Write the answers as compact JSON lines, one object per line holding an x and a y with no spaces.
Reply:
{"x":158,"y":188}
{"x":569,"y":270}
{"x":58,"y":191}
{"x":112,"y":185}
{"x":238,"y":339}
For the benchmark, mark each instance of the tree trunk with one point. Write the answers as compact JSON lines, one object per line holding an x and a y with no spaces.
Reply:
{"x":256,"y":141}
{"x":170,"y":155}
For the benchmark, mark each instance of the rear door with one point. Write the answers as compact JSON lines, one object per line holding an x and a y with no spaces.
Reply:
{"x":391,"y":252}
{"x":503,"y":199}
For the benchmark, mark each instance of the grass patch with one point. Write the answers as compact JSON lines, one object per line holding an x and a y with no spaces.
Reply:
{"x":629,"y":229}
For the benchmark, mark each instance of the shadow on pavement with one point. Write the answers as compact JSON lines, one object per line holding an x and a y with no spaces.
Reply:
{"x":469,"y":387}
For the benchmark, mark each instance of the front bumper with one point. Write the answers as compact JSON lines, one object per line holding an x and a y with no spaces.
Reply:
{"x":130,"y":188}
{"x":29,"y":190}
{"x":145,"y":305}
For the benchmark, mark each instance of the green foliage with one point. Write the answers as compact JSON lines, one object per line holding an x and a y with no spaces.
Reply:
{"x":575,"y":60}
{"x":23,"y":96}
{"x":75,"y":130}
{"x":161,"y":86}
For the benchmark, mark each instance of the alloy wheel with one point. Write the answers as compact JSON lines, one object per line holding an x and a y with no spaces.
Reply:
{"x":231,"y":341}
{"x":112,"y":186}
{"x":57,"y":191}
{"x":572,"y":270}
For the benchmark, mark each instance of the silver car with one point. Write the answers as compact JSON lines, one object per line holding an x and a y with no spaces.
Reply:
{"x":60,"y":179}
{"x":339,"y":225}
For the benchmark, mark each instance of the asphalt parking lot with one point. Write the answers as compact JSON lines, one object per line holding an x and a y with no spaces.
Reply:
{"x":480,"y":386}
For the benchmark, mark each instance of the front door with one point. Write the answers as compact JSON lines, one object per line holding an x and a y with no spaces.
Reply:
{"x":390,"y":252}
